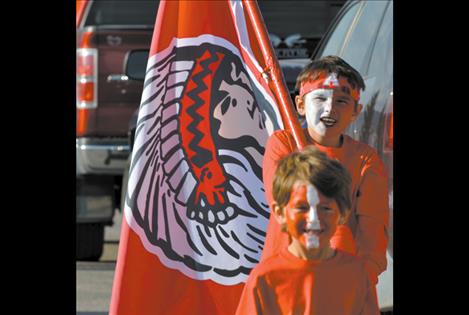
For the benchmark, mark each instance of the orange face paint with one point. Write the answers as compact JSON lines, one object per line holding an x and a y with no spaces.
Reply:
{"x":296,"y":213}
{"x":311,"y":218}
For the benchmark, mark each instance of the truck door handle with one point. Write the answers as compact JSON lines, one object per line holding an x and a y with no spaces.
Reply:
{"x":117,"y":78}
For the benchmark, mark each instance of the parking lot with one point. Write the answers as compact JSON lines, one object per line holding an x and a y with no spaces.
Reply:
{"x":94,"y":279}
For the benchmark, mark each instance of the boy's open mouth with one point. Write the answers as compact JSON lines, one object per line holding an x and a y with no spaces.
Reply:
{"x":328,"y":121}
{"x":313,"y":232}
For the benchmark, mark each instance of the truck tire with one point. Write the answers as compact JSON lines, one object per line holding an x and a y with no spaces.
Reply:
{"x":90,"y":241}
{"x":125,"y":178}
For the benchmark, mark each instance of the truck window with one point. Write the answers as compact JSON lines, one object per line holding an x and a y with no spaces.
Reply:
{"x":119,"y":12}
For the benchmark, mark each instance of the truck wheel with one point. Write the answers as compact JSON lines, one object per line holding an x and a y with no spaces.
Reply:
{"x":90,"y":241}
{"x":125,"y":178}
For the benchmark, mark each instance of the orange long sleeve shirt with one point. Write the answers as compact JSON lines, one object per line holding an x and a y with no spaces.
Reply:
{"x":366,"y":231}
{"x":285,"y":284}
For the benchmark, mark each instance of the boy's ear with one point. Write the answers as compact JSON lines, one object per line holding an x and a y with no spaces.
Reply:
{"x":278,"y":213}
{"x":300,"y":105}
{"x":344,"y":218}
{"x":357,"y":111}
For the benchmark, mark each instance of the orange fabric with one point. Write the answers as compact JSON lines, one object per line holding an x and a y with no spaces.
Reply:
{"x":80,"y":7}
{"x":285,"y":284}
{"x":192,"y":18}
{"x":142,"y":285}
{"x":365,"y":232}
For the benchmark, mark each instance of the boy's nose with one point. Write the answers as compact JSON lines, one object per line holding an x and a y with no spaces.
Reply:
{"x":313,"y":222}
{"x":328,"y":105}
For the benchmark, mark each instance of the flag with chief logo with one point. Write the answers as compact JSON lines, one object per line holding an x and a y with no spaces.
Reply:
{"x":195,"y":215}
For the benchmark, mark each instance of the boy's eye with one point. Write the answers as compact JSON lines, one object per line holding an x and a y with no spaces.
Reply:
{"x":303,"y":207}
{"x":325,"y":209}
{"x":342,"y":102}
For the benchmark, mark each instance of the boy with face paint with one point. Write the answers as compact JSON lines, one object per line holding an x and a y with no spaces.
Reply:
{"x":311,"y":198}
{"x":329,"y":95}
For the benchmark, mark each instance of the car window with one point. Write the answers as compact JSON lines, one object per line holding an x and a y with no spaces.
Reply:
{"x":285,"y":18}
{"x":296,"y":27}
{"x":381,"y":69}
{"x":376,"y":67}
{"x":358,"y":46}
{"x":335,"y":42}
{"x":382,"y":58}
{"x":121,"y":12}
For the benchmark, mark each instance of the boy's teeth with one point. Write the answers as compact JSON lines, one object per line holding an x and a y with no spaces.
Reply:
{"x":328,"y":121}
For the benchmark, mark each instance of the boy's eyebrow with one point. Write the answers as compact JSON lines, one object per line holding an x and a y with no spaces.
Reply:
{"x":301,"y":201}
{"x":318,"y":91}
{"x":345,"y":89}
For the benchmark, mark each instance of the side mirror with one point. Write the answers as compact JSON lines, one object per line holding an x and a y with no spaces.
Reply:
{"x":135,"y":64}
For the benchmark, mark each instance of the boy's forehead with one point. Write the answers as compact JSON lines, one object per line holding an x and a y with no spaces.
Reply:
{"x":307,"y":191}
{"x":301,"y":183}
{"x":302,"y":189}
{"x":329,"y":81}
{"x":329,"y":92}
{"x":299,"y":189}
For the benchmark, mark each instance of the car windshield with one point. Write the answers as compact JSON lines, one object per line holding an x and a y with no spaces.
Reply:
{"x":295,"y":27}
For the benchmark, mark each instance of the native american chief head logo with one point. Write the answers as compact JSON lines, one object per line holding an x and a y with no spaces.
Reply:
{"x":195,"y":195}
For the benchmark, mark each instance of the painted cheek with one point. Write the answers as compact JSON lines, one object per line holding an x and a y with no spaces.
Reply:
{"x":315,"y":109}
{"x":313,"y":113}
{"x":295,"y":219}
{"x":294,"y":223}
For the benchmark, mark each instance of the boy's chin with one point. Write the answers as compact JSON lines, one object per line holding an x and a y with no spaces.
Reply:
{"x":328,"y":135}
{"x":303,"y":248}
{"x":313,"y":247}
{"x":333,"y":133}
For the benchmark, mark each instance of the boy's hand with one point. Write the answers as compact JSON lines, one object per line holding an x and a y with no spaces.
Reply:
{"x":373,"y":271}
{"x":343,"y":240}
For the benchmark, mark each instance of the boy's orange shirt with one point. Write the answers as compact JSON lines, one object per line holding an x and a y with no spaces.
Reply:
{"x":366,"y":231}
{"x":285,"y":284}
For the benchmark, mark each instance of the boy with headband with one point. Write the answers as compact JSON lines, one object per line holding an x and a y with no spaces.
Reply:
{"x":329,"y":98}
{"x":311,"y":197}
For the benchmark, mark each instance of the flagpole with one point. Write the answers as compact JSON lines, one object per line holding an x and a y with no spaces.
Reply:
{"x":273,"y":75}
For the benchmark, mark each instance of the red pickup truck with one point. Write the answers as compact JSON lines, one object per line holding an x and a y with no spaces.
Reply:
{"x":106,"y":32}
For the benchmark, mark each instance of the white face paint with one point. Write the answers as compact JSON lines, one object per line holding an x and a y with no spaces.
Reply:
{"x":318,"y":104}
{"x":331,"y":80}
{"x":312,"y":240}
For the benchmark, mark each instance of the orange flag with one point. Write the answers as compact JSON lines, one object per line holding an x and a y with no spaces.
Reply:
{"x":195,"y":214}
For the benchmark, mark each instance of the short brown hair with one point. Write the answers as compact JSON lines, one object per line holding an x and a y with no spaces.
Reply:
{"x":314,"y":167}
{"x":330,"y":64}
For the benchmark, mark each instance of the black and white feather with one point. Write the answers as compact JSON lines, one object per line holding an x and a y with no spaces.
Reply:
{"x":203,"y":243}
